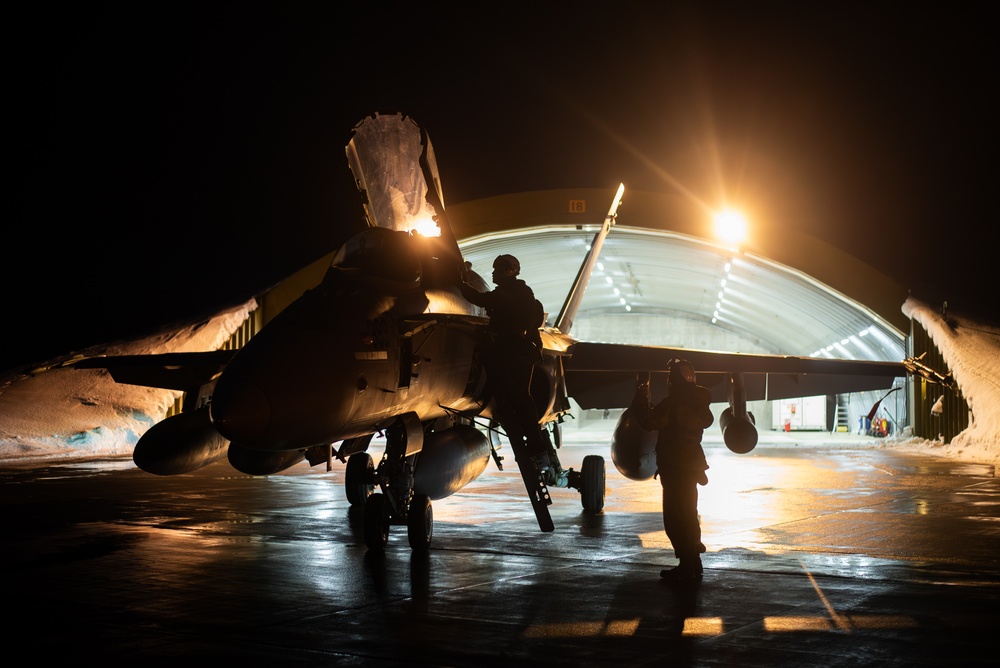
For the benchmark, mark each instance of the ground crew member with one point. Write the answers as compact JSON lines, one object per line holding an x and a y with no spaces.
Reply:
{"x":680,"y":419}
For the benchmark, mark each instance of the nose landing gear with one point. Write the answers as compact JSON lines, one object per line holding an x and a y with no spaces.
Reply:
{"x":396,"y":503}
{"x":418,"y":518}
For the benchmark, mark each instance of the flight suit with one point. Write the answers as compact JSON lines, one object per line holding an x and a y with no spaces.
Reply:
{"x":514,"y":348}
{"x":680,"y":420}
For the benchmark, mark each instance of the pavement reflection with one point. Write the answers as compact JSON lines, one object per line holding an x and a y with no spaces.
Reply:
{"x":809,"y":541}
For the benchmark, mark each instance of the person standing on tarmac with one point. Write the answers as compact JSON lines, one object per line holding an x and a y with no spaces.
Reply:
{"x":680,"y":419}
{"x":515,"y":316}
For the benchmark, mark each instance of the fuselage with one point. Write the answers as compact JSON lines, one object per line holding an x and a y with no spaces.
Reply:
{"x":385,"y":333}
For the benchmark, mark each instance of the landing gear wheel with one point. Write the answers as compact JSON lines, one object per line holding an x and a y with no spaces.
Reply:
{"x":358,"y":477}
{"x":420,"y":524}
{"x":376,"y":521}
{"x":592,"y":483}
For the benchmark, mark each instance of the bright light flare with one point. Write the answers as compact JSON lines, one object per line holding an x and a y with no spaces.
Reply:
{"x":425,"y":227}
{"x":731,"y":226}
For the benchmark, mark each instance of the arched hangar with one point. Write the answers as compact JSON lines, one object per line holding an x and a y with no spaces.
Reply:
{"x":665,"y":279}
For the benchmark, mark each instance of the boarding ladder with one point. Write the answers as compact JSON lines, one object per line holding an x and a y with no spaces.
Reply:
{"x":841,"y":422}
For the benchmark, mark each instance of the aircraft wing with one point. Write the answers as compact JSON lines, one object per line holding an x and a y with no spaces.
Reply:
{"x":564,"y":321}
{"x":168,"y":371}
{"x":603,"y":375}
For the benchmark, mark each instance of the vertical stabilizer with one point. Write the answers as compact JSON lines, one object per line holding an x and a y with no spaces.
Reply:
{"x":572,"y":304}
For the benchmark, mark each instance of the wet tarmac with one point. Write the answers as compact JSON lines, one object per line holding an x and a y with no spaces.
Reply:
{"x":821,"y":552}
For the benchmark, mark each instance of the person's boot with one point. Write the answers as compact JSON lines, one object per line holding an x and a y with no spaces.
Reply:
{"x":688,"y":570}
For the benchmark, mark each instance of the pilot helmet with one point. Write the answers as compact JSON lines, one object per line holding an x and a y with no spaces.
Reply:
{"x":681,"y":371}
{"x":507,"y":263}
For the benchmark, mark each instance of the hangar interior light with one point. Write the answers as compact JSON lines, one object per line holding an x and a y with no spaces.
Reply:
{"x":730,"y":226}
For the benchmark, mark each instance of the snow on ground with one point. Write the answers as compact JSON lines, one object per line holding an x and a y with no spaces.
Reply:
{"x":972,"y":352}
{"x":66,"y":413}
{"x":69,"y":414}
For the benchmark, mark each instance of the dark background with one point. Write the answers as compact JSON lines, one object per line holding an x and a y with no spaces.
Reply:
{"x":169,"y":159}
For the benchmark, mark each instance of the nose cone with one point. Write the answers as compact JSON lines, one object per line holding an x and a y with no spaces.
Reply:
{"x":240,"y":410}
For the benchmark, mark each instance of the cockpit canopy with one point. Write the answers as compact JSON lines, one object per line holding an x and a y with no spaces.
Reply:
{"x":409,"y":241}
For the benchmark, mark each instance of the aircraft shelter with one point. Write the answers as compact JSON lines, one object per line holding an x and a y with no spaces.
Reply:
{"x":660,"y":282}
{"x":665,"y":279}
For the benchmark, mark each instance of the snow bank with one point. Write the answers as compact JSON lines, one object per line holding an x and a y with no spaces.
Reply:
{"x":65,"y":413}
{"x":971,"y":350}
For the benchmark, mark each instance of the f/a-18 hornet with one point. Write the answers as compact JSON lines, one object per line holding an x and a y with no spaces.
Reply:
{"x":386,"y":345}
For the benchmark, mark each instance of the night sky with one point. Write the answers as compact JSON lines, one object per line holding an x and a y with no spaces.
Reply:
{"x":171,"y":159}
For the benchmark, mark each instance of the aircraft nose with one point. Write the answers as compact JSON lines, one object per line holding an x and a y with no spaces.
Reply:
{"x":240,"y":411}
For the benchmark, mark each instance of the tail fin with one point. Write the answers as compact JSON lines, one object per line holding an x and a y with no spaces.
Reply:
{"x":566,"y":316}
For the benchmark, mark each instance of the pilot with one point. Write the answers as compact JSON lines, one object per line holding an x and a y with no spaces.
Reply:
{"x":515,"y":316}
{"x":680,"y":419}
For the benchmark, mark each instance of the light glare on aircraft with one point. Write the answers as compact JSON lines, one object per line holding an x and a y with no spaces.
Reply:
{"x":426,"y":227}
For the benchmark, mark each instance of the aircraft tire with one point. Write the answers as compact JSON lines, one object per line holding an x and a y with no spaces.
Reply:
{"x":592,"y":483}
{"x":358,"y":478}
{"x":376,"y":525}
{"x":420,"y":525}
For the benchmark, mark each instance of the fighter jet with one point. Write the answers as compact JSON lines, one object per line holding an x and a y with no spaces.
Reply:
{"x":385,"y":345}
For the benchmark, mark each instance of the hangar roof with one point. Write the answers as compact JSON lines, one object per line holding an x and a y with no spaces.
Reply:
{"x":783,"y":294}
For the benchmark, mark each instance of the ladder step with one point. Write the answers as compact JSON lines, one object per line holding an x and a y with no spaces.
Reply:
{"x":538,"y":491}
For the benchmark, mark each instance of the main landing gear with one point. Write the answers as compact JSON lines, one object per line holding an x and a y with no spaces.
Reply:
{"x":540,"y":470}
{"x":590,"y":480}
{"x":395,"y":503}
